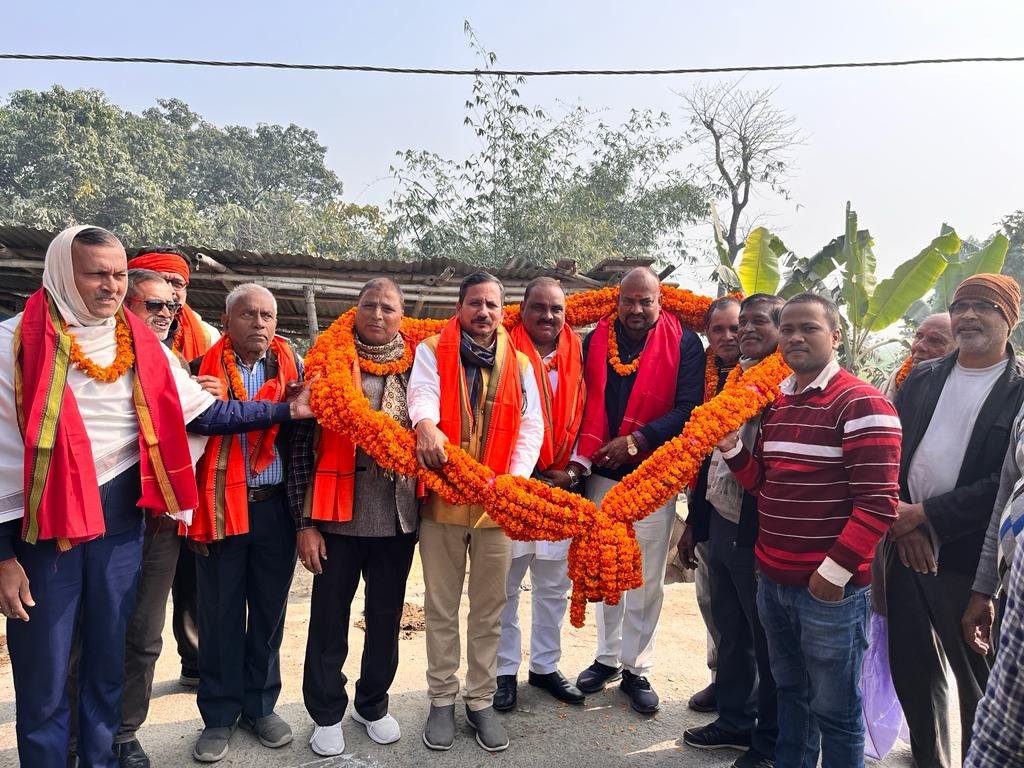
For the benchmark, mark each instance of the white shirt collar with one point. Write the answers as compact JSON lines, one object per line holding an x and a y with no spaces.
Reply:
{"x":788,"y":387}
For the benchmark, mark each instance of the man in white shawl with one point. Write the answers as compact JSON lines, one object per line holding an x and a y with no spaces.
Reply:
{"x":93,"y":415}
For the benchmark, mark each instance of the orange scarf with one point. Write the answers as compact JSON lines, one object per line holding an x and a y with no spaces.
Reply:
{"x":563,"y":409}
{"x":223,"y":491}
{"x":191,"y":340}
{"x":500,"y":406}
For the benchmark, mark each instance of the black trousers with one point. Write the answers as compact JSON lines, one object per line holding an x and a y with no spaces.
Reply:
{"x":185,"y":616}
{"x":243,"y":594}
{"x":384,"y":564}
{"x":924,"y":632}
{"x":744,"y":686}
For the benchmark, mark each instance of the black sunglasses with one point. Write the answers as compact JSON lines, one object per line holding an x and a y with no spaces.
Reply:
{"x":155,"y":305}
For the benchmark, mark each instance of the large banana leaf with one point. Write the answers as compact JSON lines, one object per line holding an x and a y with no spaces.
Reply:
{"x":759,"y":263}
{"x":806,"y":274}
{"x":912,"y":279}
{"x":859,"y":272}
{"x":989,"y":258}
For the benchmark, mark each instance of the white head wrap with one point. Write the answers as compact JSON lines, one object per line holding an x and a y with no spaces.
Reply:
{"x":59,"y":280}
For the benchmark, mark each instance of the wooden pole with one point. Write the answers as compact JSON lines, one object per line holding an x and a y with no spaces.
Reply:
{"x":311,"y":319}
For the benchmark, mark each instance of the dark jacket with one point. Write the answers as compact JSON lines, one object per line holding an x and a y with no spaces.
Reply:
{"x":960,"y":517}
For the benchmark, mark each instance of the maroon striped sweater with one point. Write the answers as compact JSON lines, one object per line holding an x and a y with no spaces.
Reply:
{"x":826,"y":474}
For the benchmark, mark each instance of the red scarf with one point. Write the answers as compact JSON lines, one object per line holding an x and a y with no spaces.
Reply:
{"x":223,"y":492}
{"x":654,"y":389}
{"x":62,"y":498}
{"x":191,"y":340}
{"x":563,"y":409}
{"x":502,"y":401}
{"x":334,"y":471}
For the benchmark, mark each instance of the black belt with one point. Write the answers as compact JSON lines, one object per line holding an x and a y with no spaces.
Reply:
{"x":264,"y":492}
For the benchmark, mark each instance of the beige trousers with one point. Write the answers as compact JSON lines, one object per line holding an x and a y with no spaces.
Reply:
{"x":443,"y":551}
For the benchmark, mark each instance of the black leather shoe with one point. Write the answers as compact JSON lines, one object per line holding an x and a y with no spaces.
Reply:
{"x":704,"y":700}
{"x":753,"y":759}
{"x":130,"y":754}
{"x":642,"y":697}
{"x":712,"y":736}
{"x":595,"y":677}
{"x":556,"y":684}
{"x":507,"y":693}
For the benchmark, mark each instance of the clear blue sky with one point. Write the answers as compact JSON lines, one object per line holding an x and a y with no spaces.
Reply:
{"x":910,"y":147}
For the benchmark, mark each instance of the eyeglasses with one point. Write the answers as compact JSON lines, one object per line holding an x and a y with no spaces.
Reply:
{"x":155,"y":305}
{"x":176,"y":282}
{"x":978,"y":307}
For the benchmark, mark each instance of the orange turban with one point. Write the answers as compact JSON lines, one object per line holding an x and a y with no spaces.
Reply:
{"x":162,"y":262}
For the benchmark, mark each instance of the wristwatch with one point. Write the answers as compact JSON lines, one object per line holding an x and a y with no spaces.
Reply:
{"x":631,"y":447}
{"x":574,"y":477}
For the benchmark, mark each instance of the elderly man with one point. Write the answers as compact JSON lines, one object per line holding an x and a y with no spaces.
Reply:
{"x":644,"y":374}
{"x":727,"y":521}
{"x":244,"y":534}
{"x":957,"y":413}
{"x":94,"y":392}
{"x":471,"y":388}
{"x":556,"y":356}
{"x":933,"y":338}
{"x":189,"y":337}
{"x":355,"y":520}
{"x":824,"y":470}
{"x":721,"y":323}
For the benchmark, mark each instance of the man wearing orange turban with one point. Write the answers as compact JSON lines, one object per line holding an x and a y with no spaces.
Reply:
{"x":189,"y":336}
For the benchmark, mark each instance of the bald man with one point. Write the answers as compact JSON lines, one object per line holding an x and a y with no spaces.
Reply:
{"x":634,"y":404}
{"x":933,"y":339}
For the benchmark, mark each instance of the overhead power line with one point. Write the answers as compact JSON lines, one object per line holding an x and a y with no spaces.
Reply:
{"x":509,"y":72}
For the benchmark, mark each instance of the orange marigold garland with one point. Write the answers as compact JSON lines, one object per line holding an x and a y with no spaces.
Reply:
{"x":234,"y":375}
{"x":903,"y":372}
{"x":604,"y":558}
{"x":124,"y":357}
{"x":614,"y":360}
{"x":675,"y":464}
{"x":710,"y":375}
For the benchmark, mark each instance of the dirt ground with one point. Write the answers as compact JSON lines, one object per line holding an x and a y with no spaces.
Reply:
{"x":604,"y":732}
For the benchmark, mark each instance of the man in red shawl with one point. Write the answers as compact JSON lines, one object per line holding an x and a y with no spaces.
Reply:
{"x":644,"y":374}
{"x":556,"y":357}
{"x":93,"y":419}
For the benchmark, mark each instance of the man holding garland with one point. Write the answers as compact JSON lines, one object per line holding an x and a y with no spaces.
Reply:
{"x":102,"y":409}
{"x":356,"y":519}
{"x":556,"y":357}
{"x":825,"y":472}
{"x":471,"y":388}
{"x":727,"y":521}
{"x":644,"y":373}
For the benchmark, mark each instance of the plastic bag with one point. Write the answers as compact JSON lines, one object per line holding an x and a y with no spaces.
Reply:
{"x":883,"y":715}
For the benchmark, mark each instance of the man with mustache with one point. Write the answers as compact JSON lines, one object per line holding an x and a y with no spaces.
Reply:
{"x":957,"y":413}
{"x":94,"y":432}
{"x":644,"y":374}
{"x":244,"y":533}
{"x":188,"y":337}
{"x":727,"y":522}
{"x":825,"y":472}
{"x":469,"y":387}
{"x":556,"y":358}
{"x":721,"y":322}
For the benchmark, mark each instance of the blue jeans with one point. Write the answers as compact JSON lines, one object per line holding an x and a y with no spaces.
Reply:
{"x":816,"y":650}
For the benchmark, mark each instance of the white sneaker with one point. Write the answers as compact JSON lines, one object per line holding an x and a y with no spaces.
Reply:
{"x":327,"y":740}
{"x":383,"y":731}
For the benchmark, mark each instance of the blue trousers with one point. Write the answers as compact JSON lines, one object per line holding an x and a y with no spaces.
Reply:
{"x":96,"y":579}
{"x":816,"y":651}
{"x":243,"y":594}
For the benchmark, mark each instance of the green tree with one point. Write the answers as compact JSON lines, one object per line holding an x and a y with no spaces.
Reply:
{"x":168,"y":176}
{"x":542,"y":188}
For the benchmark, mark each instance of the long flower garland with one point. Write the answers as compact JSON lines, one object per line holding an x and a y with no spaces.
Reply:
{"x":710,"y":374}
{"x":234,"y":375}
{"x":604,"y":558}
{"x":621,"y":368}
{"x":124,"y":358}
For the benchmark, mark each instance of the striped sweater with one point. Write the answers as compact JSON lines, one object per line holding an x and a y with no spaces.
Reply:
{"x":826,"y":475}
